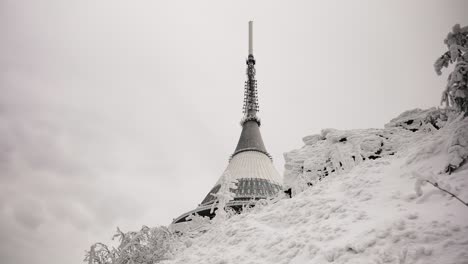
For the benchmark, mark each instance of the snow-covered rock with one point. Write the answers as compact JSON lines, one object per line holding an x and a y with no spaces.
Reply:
{"x":417,"y":119}
{"x":338,"y":151}
{"x":365,"y":201}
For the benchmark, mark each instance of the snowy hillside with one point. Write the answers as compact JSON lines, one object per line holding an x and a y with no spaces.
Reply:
{"x":359,"y":196}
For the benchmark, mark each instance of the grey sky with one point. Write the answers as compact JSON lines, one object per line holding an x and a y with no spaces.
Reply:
{"x":124,"y":113}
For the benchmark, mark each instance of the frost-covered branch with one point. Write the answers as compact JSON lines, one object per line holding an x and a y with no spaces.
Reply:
{"x":421,"y":180}
{"x":435,"y":184}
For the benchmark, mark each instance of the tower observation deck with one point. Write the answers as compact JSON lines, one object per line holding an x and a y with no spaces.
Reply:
{"x":250,"y":164}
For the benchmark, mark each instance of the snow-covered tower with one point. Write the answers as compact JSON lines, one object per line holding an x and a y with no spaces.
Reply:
{"x":250,"y":164}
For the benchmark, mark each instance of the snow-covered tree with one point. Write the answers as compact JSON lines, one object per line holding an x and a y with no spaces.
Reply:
{"x":456,"y":92}
{"x":223,"y":196}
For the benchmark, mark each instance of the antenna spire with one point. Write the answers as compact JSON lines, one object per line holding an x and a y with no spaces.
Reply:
{"x":250,"y":37}
{"x":250,"y":91}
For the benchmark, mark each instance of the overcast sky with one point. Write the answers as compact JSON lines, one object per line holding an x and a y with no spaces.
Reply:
{"x":124,"y":113}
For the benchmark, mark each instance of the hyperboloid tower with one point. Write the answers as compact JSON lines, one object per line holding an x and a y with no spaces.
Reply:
{"x":250,"y":164}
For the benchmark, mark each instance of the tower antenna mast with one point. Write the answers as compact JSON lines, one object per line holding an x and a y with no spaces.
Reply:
{"x":250,"y":37}
{"x":250,"y":90}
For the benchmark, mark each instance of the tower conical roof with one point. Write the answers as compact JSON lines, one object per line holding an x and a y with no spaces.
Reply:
{"x":250,"y":139}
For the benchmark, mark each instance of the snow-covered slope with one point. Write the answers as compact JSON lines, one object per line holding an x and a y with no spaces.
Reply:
{"x":372,"y":208}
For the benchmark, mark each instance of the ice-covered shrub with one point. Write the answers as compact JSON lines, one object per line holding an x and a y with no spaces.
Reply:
{"x":149,"y":245}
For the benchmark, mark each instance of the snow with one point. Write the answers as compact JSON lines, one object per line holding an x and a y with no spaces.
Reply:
{"x":358,"y":196}
{"x":373,"y":208}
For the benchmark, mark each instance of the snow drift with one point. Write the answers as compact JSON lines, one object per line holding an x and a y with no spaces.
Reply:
{"x":358,"y":197}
